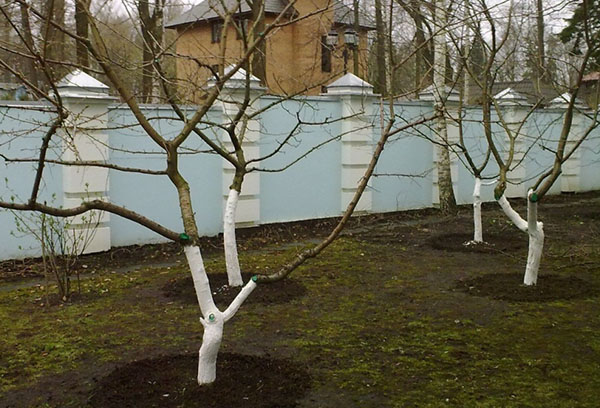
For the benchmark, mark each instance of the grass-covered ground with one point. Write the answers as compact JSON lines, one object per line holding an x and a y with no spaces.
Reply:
{"x":394,"y":314}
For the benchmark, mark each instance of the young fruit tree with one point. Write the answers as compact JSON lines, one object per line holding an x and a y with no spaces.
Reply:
{"x":72,"y":127}
{"x":511,"y":111}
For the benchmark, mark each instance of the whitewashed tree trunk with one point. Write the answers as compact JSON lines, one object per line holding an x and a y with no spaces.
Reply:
{"x":477,"y":225}
{"x":234,"y":274}
{"x":535,"y":231}
{"x":213,"y":319}
{"x":211,"y":342}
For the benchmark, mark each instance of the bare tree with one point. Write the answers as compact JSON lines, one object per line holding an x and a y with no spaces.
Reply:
{"x":505,"y":152}
{"x":194,"y":125}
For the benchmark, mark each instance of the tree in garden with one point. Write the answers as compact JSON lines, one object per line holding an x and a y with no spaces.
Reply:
{"x":505,"y":152}
{"x":446,"y":193}
{"x":194,"y":125}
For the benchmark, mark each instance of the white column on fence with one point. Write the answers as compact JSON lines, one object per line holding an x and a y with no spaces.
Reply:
{"x":453,"y":138}
{"x":85,"y":139}
{"x":357,"y":99}
{"x":514,"y":112}
{"x":231,"y":97}
{"x":571,"y":169}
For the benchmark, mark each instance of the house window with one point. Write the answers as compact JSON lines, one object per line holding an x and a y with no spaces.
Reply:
{"x":216,"y":29}
{"x":325,"y":55}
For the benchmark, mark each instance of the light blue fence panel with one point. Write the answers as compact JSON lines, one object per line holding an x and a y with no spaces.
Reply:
{"x":22,"y":127}
{"x":155,"y":196}
{"x":403,"y":174}
{"x":589,"y":176}
{"x":310,"y":187}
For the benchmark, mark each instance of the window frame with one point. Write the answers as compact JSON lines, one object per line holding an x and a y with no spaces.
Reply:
{"x":216,"y":30}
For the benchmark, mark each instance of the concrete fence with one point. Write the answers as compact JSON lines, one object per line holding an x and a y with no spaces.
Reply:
{"x":314,"y":175}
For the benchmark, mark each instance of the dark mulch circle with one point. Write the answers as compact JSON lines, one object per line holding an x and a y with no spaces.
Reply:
{"x":283,"y":291}
{"x":505,"y":241}
{"x":170,"y":381}
{"x":509,"y":286}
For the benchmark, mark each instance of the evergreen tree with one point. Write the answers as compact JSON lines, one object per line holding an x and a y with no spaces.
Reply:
{"x":585,"y":21}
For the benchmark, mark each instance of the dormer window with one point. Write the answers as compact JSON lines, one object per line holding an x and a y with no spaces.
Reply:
{"x":216,"y":29}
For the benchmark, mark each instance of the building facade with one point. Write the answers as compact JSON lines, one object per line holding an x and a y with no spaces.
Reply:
{"x":299,"y":54}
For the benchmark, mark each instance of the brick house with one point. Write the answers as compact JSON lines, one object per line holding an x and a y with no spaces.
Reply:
{"x":299,"y":57}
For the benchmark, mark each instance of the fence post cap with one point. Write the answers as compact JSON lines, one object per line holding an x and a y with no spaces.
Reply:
{"x":350,"y":84}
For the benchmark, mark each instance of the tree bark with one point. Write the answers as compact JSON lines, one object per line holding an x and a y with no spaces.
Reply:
{"x":146,"y":28}
{"x":541,"y":53}
{"x":357,"y":31}
{"x":446,"y":192}
{"x":258,"y":61}
{"x":82,"y":30}
{"x":28,"y":39}
{"x":381,"y":83}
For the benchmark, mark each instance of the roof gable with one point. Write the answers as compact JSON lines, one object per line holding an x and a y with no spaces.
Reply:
{"x":214,"y":9}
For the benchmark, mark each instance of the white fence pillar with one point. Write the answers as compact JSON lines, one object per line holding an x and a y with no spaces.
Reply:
{"x":357,"y":99}
{"x":231,"y":97}
{"x":84,"y":139}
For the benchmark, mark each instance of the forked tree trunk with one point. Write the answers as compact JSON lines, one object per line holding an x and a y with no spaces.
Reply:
{"x":213,"y":319}
{"x":234,"y":275}
{"x":535,"y":231}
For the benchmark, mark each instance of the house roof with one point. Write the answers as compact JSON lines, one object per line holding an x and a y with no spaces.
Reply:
{"x":526,"y":88}
{"x":214,"y":9}
{"x":344,"y":15}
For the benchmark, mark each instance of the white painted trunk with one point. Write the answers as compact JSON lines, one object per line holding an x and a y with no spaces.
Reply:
{"x":477,"y":225}
{"x":536,"y":244}
{"x":213,"y":319}
{"x":239,"y":299}
{"x":201,"y":284}
{"x":234,"y":275}
{"x":514,"y":216}
{"x":535,"y":231}
{"x":211,"y":342}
